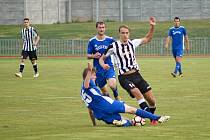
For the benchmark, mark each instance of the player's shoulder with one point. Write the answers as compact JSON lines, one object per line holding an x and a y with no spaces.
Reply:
{"x":93,"y":38}
{"x":171,"y":28}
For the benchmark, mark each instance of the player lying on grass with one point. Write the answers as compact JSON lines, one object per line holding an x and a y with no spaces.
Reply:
{"x":106,"y":109}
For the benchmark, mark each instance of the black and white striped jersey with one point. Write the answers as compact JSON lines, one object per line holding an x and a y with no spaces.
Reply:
{"x":124,"y":54}
{"x":28,"y":35}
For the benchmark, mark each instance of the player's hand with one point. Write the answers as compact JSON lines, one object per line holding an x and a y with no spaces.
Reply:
{"x":97,"y":55}
{"x":106,"y":66}
{"x":152,"y":21}
{"x":90,"y":67}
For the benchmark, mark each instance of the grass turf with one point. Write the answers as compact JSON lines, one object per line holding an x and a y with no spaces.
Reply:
{"x":50,"y":107}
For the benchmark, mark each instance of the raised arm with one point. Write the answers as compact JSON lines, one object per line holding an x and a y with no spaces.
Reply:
{"x":88,"y":77}
{"x":149,"y":35}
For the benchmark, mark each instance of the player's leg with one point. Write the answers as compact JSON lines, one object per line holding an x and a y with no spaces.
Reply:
{"x":145,"y":114}
{"x":24,"y":56}
{"x":33,"y":58}
{"x":146,"y":91}
{"x":179,"y":61}
{"x":111,"y":79}
{"x":130,"y":87}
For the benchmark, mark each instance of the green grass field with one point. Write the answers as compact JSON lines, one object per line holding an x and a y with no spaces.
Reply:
{"x":50,"y":108}
{"x":195,"y":28}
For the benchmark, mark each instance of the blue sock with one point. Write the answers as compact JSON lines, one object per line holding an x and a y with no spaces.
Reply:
{"x":180,"y":68}
{"x":145,"y":114}
{"x":177,"y":67}
{"x":128,"y":123}
{"x":115,"y":92}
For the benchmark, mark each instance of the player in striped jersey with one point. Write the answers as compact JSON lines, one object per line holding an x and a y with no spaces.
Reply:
{"x":129,"y":77}
{"x":30,"y":41}
{"x":106,"y":109}
{"x":179,"y":38}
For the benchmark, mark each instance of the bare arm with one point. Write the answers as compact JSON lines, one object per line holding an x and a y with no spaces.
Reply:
{"x":92,"y":117}
{"x":36,"y":41}
{"x":92,"y":56}
{"x":149,"y":35}
{"x":101,"y":62}
{"x":167,"y":42}
{"x":187,"y":43}
{"x":87,"y":78}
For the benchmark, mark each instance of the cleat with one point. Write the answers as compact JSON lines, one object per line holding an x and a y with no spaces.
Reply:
{"x":154,"y":122}
{"x":118,"y":123}
{"x":36,"y":75}
{"x":173,"y":74}
{"x":19,"y":74}
{"x":181,"y":75}
{"x":163,"y":119}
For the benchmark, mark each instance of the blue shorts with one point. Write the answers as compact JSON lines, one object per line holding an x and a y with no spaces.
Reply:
{"x":103,"y":75}
{"x":177,"y":52}
{"x":110,"y":112}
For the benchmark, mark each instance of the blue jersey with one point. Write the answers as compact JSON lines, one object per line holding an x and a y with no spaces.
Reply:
{"x":104,"y":108}
{"x":100,"y":46}
{"x":177,"y":34}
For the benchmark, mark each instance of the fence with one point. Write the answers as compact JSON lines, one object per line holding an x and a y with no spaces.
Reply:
{"x":61,"y":47}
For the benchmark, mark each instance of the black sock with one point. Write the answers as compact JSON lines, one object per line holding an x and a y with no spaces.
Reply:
{"x":35,"y":68}
{"x":21,"y":68}
{"x":152,"y":109}
{"x":144,"y":106}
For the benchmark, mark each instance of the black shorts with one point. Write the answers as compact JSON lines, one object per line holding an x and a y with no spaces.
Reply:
{"x":32,"y":55}
{"x":134,"y":80}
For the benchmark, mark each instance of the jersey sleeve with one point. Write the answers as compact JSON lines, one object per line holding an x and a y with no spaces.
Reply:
{"x":184,"y":32}
{"x":137,"y":42}
{"x":109,"y":51}
{"x":169,"y":32}
{"x":35,"y":33}
{"x":90,"y":48}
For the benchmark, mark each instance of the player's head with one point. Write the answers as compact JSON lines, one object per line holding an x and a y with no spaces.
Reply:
{"x":124,"y":33}
{"x":100,"y":27}
{"x":26,"y":22}
{"x":93,"y":73}
{"x":176,"y":21}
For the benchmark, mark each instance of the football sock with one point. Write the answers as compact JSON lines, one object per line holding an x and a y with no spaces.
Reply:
{"x":145,"y":114}
{"x":21,"y":67}
{"x":180,"y":68}
{"x":143,"y":105}
{"x":35,"y":68}
{"x":177,"y":67}
{"x":115,"y":92}
{"x":127,"y":123}
{"x":152,"y":109}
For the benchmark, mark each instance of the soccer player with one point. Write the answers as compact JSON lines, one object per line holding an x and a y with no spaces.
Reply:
{"x":96,"y":47}
{"x":129,"y":76}
{"x":179,"y":36}
{"x":106,"y":109}
{"x":30,"y":41}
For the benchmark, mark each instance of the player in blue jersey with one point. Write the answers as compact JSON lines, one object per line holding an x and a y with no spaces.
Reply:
{"x":179,"y":39}
{"x":106,"y":109}
{"x":96,"y":47}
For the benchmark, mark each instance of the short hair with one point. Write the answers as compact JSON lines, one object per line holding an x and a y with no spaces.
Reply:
{"x":176,"y":18}
{"x":26,"y":19}
{"x":85,"y":71}
{"x":99,"y":23}
{"x":124,"y":26}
